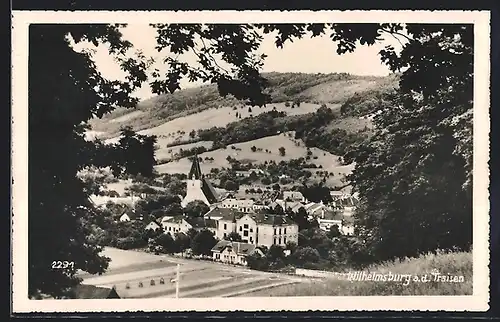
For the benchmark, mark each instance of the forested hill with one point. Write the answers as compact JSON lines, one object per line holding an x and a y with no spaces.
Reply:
{"x":334,"y":88}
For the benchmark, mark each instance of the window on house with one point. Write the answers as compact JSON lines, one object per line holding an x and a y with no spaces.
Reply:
{"x":279,"y":241}
{"x":275,"y":231}
{"x":280,"y":231}
{"x":284,"y":240}
{"x":169,"y":228}
{"x":241,"y":228}
{"x":245,"y":233}
{"x":225,"y":227}
{"x":284,"y":230}
{"x":251,"y":230}
{"x":225,"y":235}
{"x":251,"y":239}
{"x":245,"y":226}
{"x":274,"y":241}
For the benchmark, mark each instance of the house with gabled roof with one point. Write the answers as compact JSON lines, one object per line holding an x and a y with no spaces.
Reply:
{"x":233,"y":252}
{"x":338,"y":218}
{"x":198,"y":187}
{"x":154,"y":225}
{"x":182,"y":224}
{"x":254,"y":228}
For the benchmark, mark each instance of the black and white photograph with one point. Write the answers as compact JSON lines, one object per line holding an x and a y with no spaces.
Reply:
{"x":250,"y":161}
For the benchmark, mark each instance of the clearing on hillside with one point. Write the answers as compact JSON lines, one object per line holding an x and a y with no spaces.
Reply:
{"x":294,"y":149}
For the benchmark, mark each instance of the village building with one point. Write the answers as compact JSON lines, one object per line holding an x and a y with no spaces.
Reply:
{"x":243,"y":205}
{"x":233,"y":252}
{"x":182,"y":224}
{"x":315,"y":209}
{"x":153,"y":226}
{"x":259,"y":229}
{"x":337,"y":218}
{"x":198,"y":187}
{"x":257,"y":171}
{"x":102,"y":201}
{"x":125,"y":217}
{"x":293,"y":196}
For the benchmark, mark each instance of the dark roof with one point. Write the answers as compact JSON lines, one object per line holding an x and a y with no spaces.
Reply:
{"x":270,"y":219}
{"x":154,"y":222}
{"x":175,"y":219}
{"x":195,"y":172}
{"x":348,"y":219}
{"x":209,"y":191}
{"x":333,"y":215}
{"x":225,"y":213}
{"x":338,"y":215}
{"x":83,"y":291}
{"x":200,"y":222}
{"x":241,"y":248}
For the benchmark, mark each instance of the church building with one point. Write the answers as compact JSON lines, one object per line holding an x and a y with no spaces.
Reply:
{"x":198,"y":187}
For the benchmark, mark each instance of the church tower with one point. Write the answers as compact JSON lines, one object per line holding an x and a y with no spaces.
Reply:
{"x":198,"y":187}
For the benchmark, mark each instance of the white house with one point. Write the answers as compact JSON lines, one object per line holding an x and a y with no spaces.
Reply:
{"x":103,"y":200}
{"x":182,"y":224}
{"x":315,"y":209}
{"x":125,"y":217}
{"x":293,"y":196}
{"x":344,"y":223}
{"x":254,"y":228}
{"x":275,"y":230}
{"x":233,"y":252}
{"x":153,"y":226}
{"x":242,"y":205}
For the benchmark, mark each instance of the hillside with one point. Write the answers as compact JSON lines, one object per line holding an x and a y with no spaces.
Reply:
{"x":214,"y":110}
{"x":455,"y":271}
{"x":267,"y":150}
{"x":328,"y":118}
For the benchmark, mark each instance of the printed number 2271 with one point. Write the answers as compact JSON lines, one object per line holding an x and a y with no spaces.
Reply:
{"x":62,"y":264}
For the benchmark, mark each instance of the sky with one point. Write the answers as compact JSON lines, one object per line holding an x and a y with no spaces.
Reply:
{"x":307,"y":55}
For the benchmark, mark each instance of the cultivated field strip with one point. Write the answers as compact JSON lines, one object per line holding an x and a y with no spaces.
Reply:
{"x":168,"y":289}
{"x":144,"y":275}
{"x":130,"y":268}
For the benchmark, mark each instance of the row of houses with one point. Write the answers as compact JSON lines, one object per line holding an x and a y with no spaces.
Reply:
{"x":254,"y":228}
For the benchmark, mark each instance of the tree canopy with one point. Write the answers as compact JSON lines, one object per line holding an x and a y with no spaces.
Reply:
{"x":414,"y":175}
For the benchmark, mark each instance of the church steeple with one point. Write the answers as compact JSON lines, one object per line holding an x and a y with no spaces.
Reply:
{"x":195,"y":172}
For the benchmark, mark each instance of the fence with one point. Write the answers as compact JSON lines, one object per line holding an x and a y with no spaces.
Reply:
{"x":318,"y":273}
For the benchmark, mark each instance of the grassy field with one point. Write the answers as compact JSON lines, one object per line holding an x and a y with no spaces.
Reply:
{"x":243,"y":151}
{"x":341,"y":90}
{"x":452,"y":264}
{"x":169,"y":131}
{"x":197,"y":278}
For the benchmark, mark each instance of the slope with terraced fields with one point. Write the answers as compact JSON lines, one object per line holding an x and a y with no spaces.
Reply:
{"x":176,"y":119}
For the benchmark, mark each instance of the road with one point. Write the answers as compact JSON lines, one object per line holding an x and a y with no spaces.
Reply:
{"x":148,"y":276}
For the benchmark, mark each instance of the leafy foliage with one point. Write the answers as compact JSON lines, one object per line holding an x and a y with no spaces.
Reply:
{"x":203,"y":243}
{"x":413,"y":175}
{"x":196,"y":208}
{"x":233,"y":236}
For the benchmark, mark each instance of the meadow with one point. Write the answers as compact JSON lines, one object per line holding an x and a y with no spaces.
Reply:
{"x":457,"y":264}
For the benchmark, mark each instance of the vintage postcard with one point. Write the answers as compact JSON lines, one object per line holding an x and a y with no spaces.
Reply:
{"x":250,"y":161}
